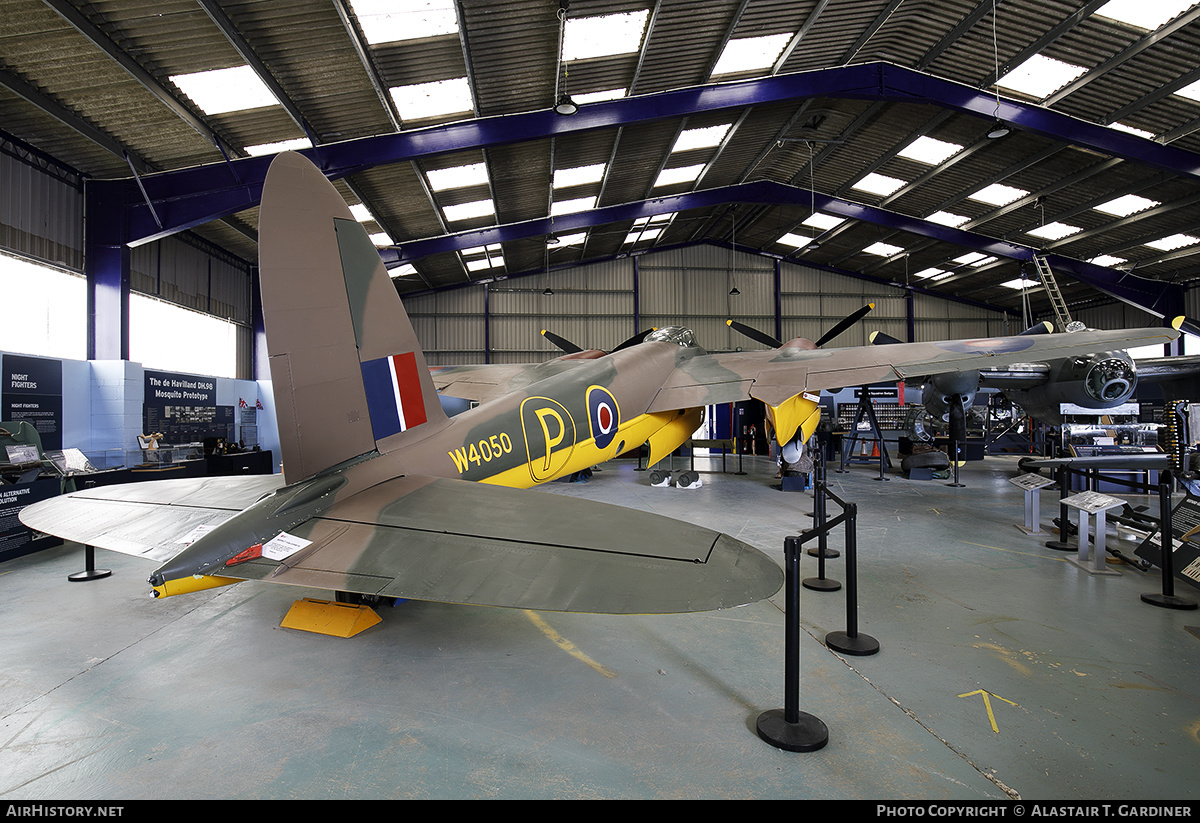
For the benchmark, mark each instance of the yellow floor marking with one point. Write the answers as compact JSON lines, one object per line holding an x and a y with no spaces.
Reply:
{"x":566,"y":645}
{"x":987,"y":702}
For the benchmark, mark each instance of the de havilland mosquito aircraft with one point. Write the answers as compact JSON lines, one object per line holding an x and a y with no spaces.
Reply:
{"x":376,"y":496}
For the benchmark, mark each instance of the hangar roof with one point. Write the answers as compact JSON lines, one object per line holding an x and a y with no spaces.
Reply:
{"x":766,"y":124}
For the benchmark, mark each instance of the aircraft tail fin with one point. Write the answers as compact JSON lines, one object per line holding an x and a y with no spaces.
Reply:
{"x":347,"y":370}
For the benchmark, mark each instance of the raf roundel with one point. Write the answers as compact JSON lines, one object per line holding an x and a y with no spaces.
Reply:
{"x":603,"y":415}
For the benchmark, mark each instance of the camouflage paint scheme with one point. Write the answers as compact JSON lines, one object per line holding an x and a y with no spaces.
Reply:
{"x":376,"y":488}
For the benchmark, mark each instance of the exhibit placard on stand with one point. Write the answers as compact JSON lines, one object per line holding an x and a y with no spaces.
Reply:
{"x":1032,"y":483}
{"x":1093,"y":504}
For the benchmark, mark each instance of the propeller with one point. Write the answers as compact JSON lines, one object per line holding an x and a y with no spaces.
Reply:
{"x":570,"y":348}
{"x":879,"y":338}
{"x":767,"y":340}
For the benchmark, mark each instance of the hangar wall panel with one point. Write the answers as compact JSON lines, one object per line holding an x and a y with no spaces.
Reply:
{"x":41,"y":210}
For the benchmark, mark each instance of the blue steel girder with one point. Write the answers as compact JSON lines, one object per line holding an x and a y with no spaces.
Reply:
{"x":186,"y":198}
{"x":1158,"y":298}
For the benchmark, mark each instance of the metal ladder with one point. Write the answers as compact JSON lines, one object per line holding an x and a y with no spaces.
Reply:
{"x":1051,"y":287}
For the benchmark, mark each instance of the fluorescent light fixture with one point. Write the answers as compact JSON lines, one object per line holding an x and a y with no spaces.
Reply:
{"x":795,"y":240}
{"x":579,"y":176}
{"x":1107,"y":260}
{"x":402,"y":271}
{"x":1040,"y":76}
{"x":224,"y":90}
{"x":381,"y":238}
{"x":883,"y":249}
{"x":1131,"y":130}
{"x":282,"y":145}
{"x":469,"y":211}
{"x":1126,"y":205}
{"x":1175,"y":241}
{"x":599,"y":96}
{"x":570,"y":206}
{"x":878,"y":184}
{"x":1020,"y":284}
{"x":1144,"y":14}
{"x":946,"y":218}
{"x":1054,"y":231}
{"x":386,"y":21}
{"x":604,"y":36}
{"x":433,"y":99}
{"x":361,"y":213}
{"x":704,"y":138}
{"x":997,"y":194}
{"x":751,"y":53}
{"x":683,"y":174}
{"x":457,"y":177}
{"x":823,"y":221}
{"x":928,"y":150}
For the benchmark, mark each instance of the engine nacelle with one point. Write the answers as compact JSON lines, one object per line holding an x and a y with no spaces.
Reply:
{"x":1095,"y":381}
{"x":942,"y":390}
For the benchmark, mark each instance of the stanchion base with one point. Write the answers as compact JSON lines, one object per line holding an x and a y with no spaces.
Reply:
{"x":1168,"y":601}
{"x":807,"y":734}
{"x":88,"y":574}
{"x":1061,"y":546}
{"x":820,"y":584}
{"x":861,"y":644}
{"x":957,"y":485}
{"x":830,"y":554}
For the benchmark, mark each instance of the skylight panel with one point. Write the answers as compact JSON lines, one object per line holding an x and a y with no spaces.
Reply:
{"x":387,"y":21}
{"x":479,"y":264}
{"x":704,"y":138}
{"x":1054,"y":231}
{"x":599,"y":96}
{"x":1020,"y":284}
{"x":997,"y":194}
{"x":469,"y":211}
{"x":1175,"y":241}
{"x":683,"y":174}
{"x":433,"y":99}
{"x":1126,"y":205}
{"x":282,"y":145}
{"x":642,"y":234}
{"x":751,"y":54}
{"x":820,"y":220}
{"x":932,"y":274}
{"x":474,"y":251}
{"x":381,"y":238}
{"x":656,"y":218}
{"x":878,"y":184}
{"x":579,"y":176}
{"x":883,"y":249}
{"x":1145,"y":14}
{"x":570,"y":206}
{"x":1040,"y":76}
{"x":1131,"y":130}
{"x":572,"y":239}
{"x":604,"y":36}
{"x":1191,"y":91}
{"x":361,"y":213}
{"x":795,"y":240}
{"x":946,"y":218}
{"x":224,"y":90}
{"x":929,"y":150}
{"x":1107,"y":260}
{"x":974,"y":258}
{"x":457,"y":177}
{"x":402,"y":271}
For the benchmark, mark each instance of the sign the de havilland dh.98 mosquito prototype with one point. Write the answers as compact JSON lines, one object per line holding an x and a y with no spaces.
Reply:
{"x":377,"y":494}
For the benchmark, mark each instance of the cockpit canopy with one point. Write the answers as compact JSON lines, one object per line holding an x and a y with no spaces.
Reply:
{"x":678,"y":335}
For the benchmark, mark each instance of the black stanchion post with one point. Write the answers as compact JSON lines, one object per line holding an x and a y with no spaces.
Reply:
{"x":821,"y":583}
{"x":820,"y":516}
{"x":850,"y":641}
{"x":789,"y":728}
{"x":90,"y":572}
{"x":1064,"y":491}
{"x":1167,"y":598}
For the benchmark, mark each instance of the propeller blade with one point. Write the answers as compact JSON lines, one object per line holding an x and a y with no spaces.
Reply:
{"x":1185,"y":324}
{"x":846,"y":323}
{"x":754,"y":334}
{"x":1045,"y":327}
{"x":878,"y":338}
{"x":561,"y":342}
{"x":633,"y":341}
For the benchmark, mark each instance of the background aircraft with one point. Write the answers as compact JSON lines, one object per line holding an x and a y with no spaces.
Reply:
{"x":373,"y":498}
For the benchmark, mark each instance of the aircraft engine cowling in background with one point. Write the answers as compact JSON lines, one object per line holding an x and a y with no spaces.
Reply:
{"x":1094,"y":381}
{"x":943,"y":390}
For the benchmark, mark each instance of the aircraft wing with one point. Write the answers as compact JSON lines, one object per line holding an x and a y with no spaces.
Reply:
{"x":777,"y":375}
{"x":492,"y":380}
{"x":445,"y":540}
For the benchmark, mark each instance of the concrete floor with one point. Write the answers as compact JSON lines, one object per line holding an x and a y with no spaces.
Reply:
{"x":1004,"y":672}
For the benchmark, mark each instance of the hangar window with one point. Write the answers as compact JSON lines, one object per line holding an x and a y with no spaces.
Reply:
{"x":164,"y":336}
{"x":46,"y":310}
